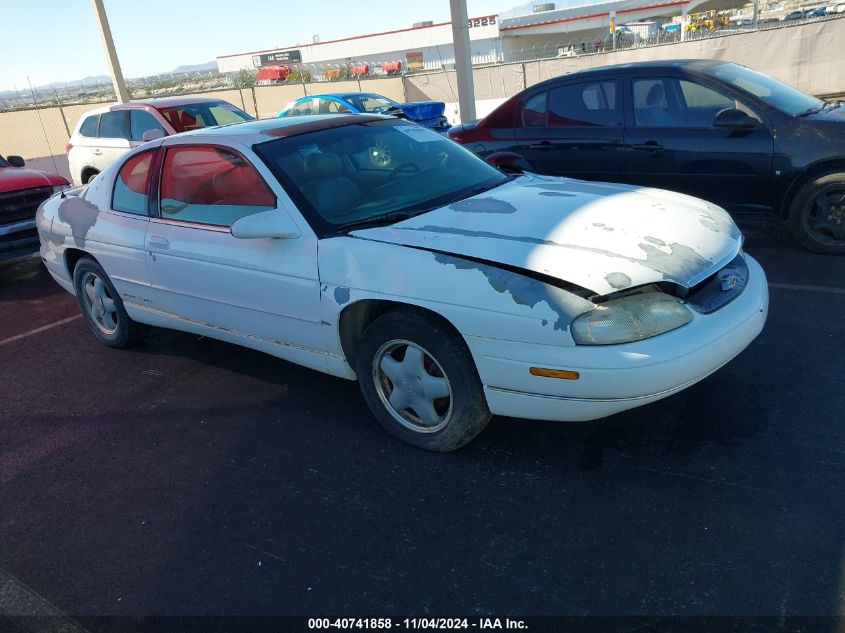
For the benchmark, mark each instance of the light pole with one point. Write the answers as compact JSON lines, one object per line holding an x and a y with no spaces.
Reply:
{"x":114,"y":65}
{"x":463,"y":60}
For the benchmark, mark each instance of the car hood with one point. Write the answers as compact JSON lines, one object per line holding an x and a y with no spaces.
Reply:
{"x":602,"y":237}
{"x":18,"y":178}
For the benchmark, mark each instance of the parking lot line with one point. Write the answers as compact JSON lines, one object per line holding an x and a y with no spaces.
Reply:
{"x":800,"y":287}
{"x":38,"y":330}
{"x":29,"y":611}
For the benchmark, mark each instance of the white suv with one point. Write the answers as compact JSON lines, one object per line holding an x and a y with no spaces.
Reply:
{"x":105,"y":134}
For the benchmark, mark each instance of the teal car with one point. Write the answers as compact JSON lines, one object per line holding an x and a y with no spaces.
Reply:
{"x":427,"y":113}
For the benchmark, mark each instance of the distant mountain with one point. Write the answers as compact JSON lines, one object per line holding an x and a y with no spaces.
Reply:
{"x":99,"y":80}
{"x":196,"y":68}
{"x":88,"y":81}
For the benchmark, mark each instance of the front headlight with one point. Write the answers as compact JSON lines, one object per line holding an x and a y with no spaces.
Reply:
{"x":630,"y":319}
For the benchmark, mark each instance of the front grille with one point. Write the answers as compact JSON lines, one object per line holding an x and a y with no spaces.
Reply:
{"x":17,"y":206}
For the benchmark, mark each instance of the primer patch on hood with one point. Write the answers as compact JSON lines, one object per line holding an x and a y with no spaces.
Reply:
{"x":483,"y":205}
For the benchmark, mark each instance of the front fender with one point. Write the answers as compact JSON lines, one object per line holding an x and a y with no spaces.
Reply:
{"x":479,"y":299}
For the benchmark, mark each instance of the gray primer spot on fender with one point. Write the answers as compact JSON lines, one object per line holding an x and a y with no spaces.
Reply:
{"x":80,"y":215}
{"x":545,"y":322}
{"x":483,"y":205}
{"x":618,"y":280}
{"x":526,"y":291}
{"x":654,"y":240}
{"x":559,"y":194}
{"x":341,"y":295}
{"x":602,"y":225}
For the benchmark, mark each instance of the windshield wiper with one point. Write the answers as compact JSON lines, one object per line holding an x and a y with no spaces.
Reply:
{"x":812,"y":110}
{"x":384,"y":218}
{"x":483,"y":188}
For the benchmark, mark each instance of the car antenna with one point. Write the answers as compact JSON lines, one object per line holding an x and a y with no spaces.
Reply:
{"x":44,"y":130}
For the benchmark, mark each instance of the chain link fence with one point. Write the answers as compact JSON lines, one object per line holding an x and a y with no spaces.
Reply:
{"x":626,"y":38}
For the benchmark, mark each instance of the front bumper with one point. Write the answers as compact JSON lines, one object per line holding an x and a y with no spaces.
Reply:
{"x":18,"y":239}
{"x":614,"y":378}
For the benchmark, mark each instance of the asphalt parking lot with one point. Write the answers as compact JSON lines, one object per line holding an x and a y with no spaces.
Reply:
{"x":187,"y":476}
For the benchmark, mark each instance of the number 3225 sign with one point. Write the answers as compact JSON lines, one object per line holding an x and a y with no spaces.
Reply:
{"x":488,"y":21}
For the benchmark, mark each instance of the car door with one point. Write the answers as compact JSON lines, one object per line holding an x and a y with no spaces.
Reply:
{"x":112,"y":138}
{"x":262,"y":289}
{"x":673,"y":144}
{"x":574,"y":129}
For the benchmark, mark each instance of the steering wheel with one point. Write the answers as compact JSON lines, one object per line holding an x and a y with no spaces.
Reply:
{"x":411,"y":168}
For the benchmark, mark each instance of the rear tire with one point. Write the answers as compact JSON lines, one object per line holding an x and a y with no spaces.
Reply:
{"x":101,"y":306}
{"x":420,"y":381}
{"x":817,"y":214}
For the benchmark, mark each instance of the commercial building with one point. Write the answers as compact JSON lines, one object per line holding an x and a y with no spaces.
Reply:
{"x":493,"y":38}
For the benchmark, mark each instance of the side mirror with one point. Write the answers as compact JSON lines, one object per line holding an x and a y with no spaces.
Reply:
{"x":505,"y":161}
{"x":272,"y":224}
{"x":15,"y":161}
{"x":733,"y":118}
{"x":151,"y":135}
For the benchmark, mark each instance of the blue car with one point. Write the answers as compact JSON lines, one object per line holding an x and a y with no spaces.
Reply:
{"x":428,"y":113}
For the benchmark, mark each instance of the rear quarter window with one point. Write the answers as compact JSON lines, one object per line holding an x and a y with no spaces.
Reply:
{"x":89,"y":126}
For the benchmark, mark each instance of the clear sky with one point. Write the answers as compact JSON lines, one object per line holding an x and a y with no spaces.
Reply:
{"x":57,"y":40}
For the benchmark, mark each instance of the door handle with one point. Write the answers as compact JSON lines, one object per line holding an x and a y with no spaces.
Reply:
{"x":97,"y":152}
{"x":157,"y":241}
{"x":544,"y":146}
{"x":650,"y":146}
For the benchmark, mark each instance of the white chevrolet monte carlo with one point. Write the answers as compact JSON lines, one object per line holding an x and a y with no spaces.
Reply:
{"x":368,"y":247}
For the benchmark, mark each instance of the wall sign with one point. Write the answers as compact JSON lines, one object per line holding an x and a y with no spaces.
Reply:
{"x":279,"y":57}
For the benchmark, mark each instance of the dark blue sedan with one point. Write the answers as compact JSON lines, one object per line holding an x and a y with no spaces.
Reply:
{"x":428,"y":113}
{"x":711,"y":129}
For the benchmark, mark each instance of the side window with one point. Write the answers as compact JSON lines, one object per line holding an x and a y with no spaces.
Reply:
{"x":534,"y":111}
{"x":211,"y":185}
{"x":656,"y":104}
{"x":141,"y":121}
{"x":89,"y":126}
{"x":131,"y":187}
{"x":328,"y":106}
{"x":591,"y":104}
{"x":702,"y":104}
{"x":224,"y":113}
{"x":679,"y":103}
{"x":309,"y":106}
{"x":112,"y":125}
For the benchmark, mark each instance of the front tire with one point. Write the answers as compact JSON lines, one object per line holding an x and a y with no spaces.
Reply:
{"x":101,"y":306}
{"x":817,"y":214}
{"x":420,"y":381}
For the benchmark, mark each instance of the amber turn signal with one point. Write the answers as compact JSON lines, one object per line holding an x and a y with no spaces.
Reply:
{"x":565,"y":374}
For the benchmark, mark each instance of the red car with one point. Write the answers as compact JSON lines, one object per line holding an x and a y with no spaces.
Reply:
{"x":21,"y":191}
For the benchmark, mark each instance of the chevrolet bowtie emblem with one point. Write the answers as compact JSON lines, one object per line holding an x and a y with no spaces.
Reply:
{"x":728,"y":280}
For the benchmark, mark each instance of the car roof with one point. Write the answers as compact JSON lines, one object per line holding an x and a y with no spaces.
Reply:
{"x":163,"y":102}
{"x":655,"y":65}
{"x":166,"y":102}
{"x":263,"y":130}
{"x":340,"y":95}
